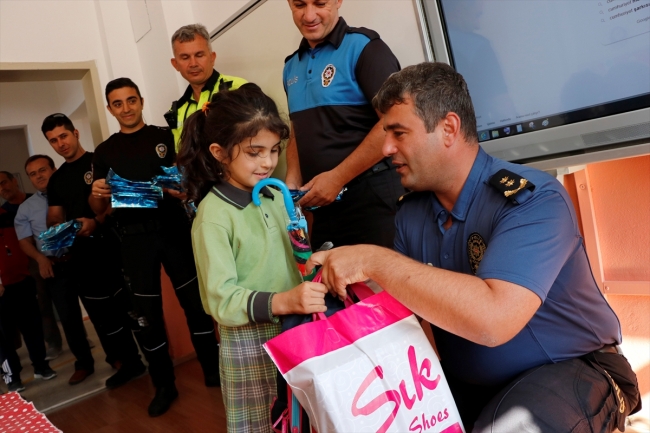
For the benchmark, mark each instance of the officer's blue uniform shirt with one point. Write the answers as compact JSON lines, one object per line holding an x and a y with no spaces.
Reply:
{"x":535,"y":244}
{"x":329,"y":89}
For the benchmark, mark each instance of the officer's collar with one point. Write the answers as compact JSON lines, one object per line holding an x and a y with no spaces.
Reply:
{"x":235,"y":196}
{"x":476,"y":175}
{"x":209,"y":85}
{"x":335,"y":37}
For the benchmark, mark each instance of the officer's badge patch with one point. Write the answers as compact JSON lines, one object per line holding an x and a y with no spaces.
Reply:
{"x":475,"y":249}
{"x":88,"y":177}
{"x":328,"y":75}
{"x":161,"y":150}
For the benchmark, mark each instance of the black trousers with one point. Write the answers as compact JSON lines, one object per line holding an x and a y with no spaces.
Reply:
{"x":45,"y":302}
{"x":97,"y":285}
{"x":19,"y":312}
{"x":364,"y":215}
{"x":569,"y":396}
{"x":145,"y":247}
{"x":64,"y":292}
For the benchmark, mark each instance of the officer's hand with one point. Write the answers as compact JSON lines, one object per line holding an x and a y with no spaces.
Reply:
{"x":323,"y":189}
{"x":176,"y":194}
{"x":101,"y":189}
{"x":2,"y":290}
{"x":45,"y":267}
{"x":88,"y":226}
{"x":344,"y":265}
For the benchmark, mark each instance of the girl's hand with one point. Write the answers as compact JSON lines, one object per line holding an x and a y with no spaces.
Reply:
{"x":306,"y":298}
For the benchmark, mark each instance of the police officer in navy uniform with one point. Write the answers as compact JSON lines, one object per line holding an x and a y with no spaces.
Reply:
{"x":490,"y":253}
{"x":336,"y":135}
{"x":151,"y":237}
{"x":96,"y":285}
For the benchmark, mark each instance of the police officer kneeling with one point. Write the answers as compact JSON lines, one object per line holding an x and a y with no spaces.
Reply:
{"x":490,"y":254}
{"x":150,"y":237}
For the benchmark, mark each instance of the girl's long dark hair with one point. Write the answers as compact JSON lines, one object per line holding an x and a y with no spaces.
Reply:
{"x":231,"y":117}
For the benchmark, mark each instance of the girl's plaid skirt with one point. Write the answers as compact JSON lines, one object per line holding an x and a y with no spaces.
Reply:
{"x":247,"y":376}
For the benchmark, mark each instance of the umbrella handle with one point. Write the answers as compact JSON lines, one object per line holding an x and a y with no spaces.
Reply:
{"x":296,"y":218}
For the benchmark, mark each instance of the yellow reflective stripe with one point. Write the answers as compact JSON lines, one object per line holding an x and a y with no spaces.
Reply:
{"x":191,"y":108}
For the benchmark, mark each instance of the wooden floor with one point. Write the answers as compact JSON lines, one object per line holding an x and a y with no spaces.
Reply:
{"x":124,"y":410}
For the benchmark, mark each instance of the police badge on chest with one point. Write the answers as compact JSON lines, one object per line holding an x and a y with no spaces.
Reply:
{"x":328,"y":75}
{"x":161,"y":150}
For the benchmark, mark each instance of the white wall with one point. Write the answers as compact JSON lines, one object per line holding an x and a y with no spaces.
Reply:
{"x":29,"y":103}
{"x":102,"y":31}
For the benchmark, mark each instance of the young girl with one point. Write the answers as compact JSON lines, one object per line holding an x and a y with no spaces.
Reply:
{"x":247,"y":274}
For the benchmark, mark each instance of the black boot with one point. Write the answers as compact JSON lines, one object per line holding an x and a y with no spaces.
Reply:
{"x":163,"y":400}
{"x":125,"y":374}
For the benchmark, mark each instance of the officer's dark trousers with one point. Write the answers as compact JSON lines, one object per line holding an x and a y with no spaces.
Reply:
{"x":144,"y":248}
{"x":569,"y":396}
{"x":97,"y":286}
{"x":65,"y":295}
{"x":19,"y":311}
{"x":365,"y":214}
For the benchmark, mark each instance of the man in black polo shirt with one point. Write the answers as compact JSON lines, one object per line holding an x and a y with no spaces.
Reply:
{"x":96,"y":282}
{"x":151,"y":237}
{"x":336,"y":135}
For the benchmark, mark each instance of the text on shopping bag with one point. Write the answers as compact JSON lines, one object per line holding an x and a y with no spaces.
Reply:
{"x":421,"y":382}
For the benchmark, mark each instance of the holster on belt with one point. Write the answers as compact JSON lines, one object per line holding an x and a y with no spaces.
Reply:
{"x":618,"y":372}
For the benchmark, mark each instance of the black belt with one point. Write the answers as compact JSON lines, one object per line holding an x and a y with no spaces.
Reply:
{"x":139,"y":228}
{"x":382,"y":165}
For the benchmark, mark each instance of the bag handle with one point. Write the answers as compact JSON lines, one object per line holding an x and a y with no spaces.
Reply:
{"x":360,"y":290}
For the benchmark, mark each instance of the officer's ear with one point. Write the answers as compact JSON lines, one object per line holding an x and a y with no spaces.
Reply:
{"x":218,"y":152}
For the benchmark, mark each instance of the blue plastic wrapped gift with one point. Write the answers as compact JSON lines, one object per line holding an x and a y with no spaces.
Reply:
{"x":296,"y":195}
{"x":132,"y":194}
{"x":61,"y":236}
{"x":170,"y":180}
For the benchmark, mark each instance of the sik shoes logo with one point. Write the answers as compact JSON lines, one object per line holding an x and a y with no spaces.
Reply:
{"x":328,"y":75}
{"x":422,"y":380}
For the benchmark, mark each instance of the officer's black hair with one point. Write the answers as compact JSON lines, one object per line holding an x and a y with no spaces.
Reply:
{"x":54,"y":121}
{"x":436,"y":90}
{"x":231,"y":117}
{"x":119,"y":83}
{"x":33,"y":158}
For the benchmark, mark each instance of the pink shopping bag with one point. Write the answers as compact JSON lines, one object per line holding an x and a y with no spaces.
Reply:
{"x":368,"y":368}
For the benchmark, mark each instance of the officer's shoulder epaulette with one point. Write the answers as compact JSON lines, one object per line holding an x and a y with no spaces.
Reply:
{"x":371,"y":34}
{"x":512,"y":186}
{"x":291,"y":55}
{"x":407,"y":197}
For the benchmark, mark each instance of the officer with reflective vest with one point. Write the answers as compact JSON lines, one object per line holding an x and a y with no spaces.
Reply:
{"x":194,"y":59}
